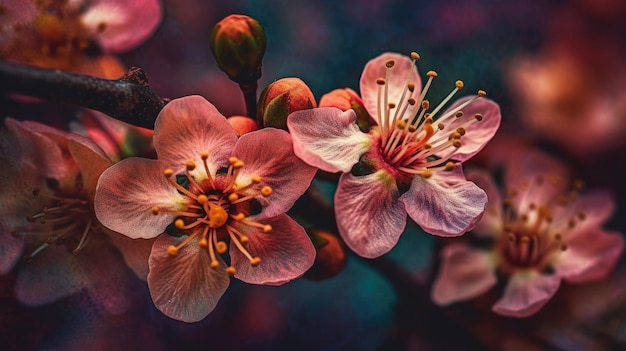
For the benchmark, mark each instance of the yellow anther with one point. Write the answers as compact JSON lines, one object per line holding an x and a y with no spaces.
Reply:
{"x":266,"y":191}
{"x":190,"y":165}
{"x":244,"y":239}
{"x":482,"y":93}
{"x":391,"y":105}
{"x":411,"y":87}
{"x":390,"y":63}
{"x":478,"y":117}
{"x":449,"y":166}
{"x":401,"y":124}
{"x":232,"y":160}
{"x":456,"y":143}
{"x":411,"y":101}
{"x":380,"y":81}
{"x":440,"y":126}
{"x":267,"y":228}
{"x":204,"y":155}
{"x":455,"y":135}
{"x":415,"y":55}
{"x":428,"y":146}
{"x":179,"y":223}
{"x":238,"y":164}
{"x":231,"y":271}
{"x":427,"y":174}
{"x":428,"y":120}
{"x":461,"y":130}
{"x":459,"y":84}
{"x":155,"y":210}
{"x":431,"y":73}
{"x":255,"y":179}
{"x":233,"y":197}
{"x":214,"y":264}
{"x":425,"y":104}
{"x":217,"y":216}
{"x":412,"y":128}
{"x":525,"y":240}
{"x":255,"y":261}
{"x":172,"y":250}
{"x":239,"y":217}
{"x":202,"y":199}
{"x":221,"y":247}
{"x":168,"y":172}
{"x":203,"y":242}
{"x":458,"y":114}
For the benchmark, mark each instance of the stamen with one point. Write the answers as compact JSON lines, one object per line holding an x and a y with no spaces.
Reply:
{"x":168,"y":173}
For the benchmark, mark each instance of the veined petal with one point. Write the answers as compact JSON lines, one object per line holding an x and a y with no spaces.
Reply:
{"x":121,"y":25}
{"x":269,"y":154}
{"x":526,"y":293}
{"x":91,"y":160}
{"x":492,"y":222}
{"x":135,"y":252}
{"x":595,"y":205}
{"x":126,"y":194}
{"x":445,"y":204}
{"x":10,"y":250}
{"x":327,"y":138}
{"x":369,"y":216}
{"x":465,"y":273}
{"x":477,"y":134}
{"x":402,"y":72}
{"x":286,"y":252}
{"x":188,"y":126}
{"x":184,"y":287}
{"x":589,"y":256}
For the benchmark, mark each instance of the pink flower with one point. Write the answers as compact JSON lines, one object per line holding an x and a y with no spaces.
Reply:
{"x":46,"y":211}
{"x":542,"y":231}
{"x":209,"y":191}
{"x":71,"y":35}
{"x":408,"y":163}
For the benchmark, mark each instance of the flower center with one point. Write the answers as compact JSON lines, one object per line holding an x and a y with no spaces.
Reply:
{"x":217,"y":209}
{"x":414,"y":139}
{"x":536,"y":232}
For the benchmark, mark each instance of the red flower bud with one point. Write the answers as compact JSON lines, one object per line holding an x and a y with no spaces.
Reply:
{"x":242,"y":124}
{"x":281,"y":98}
{"x":345,"y":99}
{"x":331,"y":255}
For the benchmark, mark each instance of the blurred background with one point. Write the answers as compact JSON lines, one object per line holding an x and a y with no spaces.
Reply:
{"x":558,"y":71}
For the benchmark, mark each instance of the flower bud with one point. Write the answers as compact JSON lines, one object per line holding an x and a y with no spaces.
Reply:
{"x":345,"y":99}
{"x":331,"y":255}
{"x":238,"y":45}
{"x":242,"y":124}
{"x":281,"y":98}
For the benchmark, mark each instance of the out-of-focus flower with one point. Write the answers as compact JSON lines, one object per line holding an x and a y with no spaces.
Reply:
{"x":208,"y":189}
{"x":281,"y":98}
{"x":542,"y":230}
{"x":243,"y":124}
{"x":238,"y":45}
{"x":408,"y":163}
{"x":46,"y":210}
{"x":118,"y":139}
{"x":76,"y":36}
{"x":345,"y":99}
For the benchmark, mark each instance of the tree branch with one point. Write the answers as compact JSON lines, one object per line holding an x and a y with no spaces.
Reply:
{"x":128,"y":99}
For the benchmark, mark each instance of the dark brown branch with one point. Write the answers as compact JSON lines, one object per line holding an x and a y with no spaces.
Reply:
{"x":128,"y":99}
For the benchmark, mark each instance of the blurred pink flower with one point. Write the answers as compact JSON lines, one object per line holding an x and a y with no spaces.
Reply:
{"x":206,"y":189}
{"x":542,"y":230}
{"x":408,"y":163}
{"x":73,"y":34}
{"x":46,"y":211}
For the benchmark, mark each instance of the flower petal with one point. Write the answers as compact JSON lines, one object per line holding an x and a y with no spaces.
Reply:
{"x":445,"y":204}
{"x":492,"y":222}
{"x":589,"y":256}
{"x":477,"y":134}
{"x":369,"y":216}
{"x":286,"y":252}
{"x":402,"y":72}
{"x":188,"y":126}
{"x":268,"y":153}
{"x":526,"y":293}
{"x":10,"y":250}
{"x":135,"y":251}
{"x":126,"y":194}
{"x":184,"y":287}
{"x":465,"y":273}
{"x":91,"y":160}
{"x":121,"y":25}
{"x":596,"y":206}
{"x":327,"y":138}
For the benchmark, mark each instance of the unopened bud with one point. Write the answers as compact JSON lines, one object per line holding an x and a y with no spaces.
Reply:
{"x":243,"y":124}
{"x":345,"y":99}
{"x":281,"y":98}
{"x":331,"y":255}
{"x":238,"y":45}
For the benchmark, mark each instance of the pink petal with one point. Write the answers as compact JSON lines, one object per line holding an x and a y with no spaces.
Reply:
{"x":15,"y":13}
{"x":589,"y":256}
{"x":596,"y":205}
{"x":10,"y":250}
{"x":465,"y":273}
{"x":127,"y":23}
{"x":492,"y":222}
{"x":91,"y":162}
{"x":184,"y":287}
{"x":286,"y":252}
{"x":188,"y":126}
{"x":402,"y":72}
{"x":126,"y":194}
{"x":526,"y":293}
{"x":268,"y":153}
{"x":327,"y":138}
{"x":445,"y":204}
{"x":135,"y":252}
{"x":477,"y":134}
{"x":369,"y":216}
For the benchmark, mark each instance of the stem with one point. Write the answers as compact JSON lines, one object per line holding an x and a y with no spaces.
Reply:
{"x":249,"y":95}
{"x":128,"y":99}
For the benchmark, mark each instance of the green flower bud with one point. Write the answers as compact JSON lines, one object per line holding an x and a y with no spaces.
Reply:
{"x":238,"y":45}
{"x":281,"y":98}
